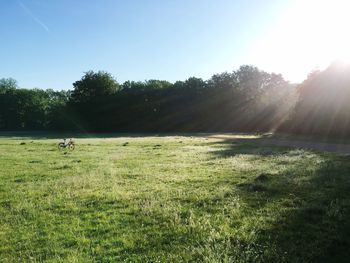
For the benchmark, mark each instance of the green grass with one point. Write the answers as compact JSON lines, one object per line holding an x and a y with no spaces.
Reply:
{"x":171,"y":199}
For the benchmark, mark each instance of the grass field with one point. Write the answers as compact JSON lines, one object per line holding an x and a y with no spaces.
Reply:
{"x":171,"y":199}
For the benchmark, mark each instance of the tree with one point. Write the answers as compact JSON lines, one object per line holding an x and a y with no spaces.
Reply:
{"x":195,"y":83}
{"x":23,"y":109}
{"x":247,"y":99}
{"x":145,"y":86}
{"x":323,"y":107}
{"x":9,"y":117}
{"x":59,"y":114}
{"x":94,"y":85}
{"x":224,"y":81}
{"x":7,"y":83}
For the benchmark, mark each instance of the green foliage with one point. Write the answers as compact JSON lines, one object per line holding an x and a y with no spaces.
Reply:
{"x":20,"y":108}
{"x":31,"y":109}
{"x":94,"y":85}
{"x":139,"y":86}
{"x":6,"y":84}
{"x":59,"y":116}
{"x":220,"y":198}
{"x":224,"y":80}
{"x":244,"y":100}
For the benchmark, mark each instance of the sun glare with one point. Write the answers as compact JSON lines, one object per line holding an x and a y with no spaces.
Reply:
{"x":310,"y":34}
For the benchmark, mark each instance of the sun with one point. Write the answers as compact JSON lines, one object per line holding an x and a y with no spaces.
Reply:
{"x":309,"y":34}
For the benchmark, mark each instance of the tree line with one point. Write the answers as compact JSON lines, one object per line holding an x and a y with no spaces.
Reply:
{"x":323,"y":106}
{"x":245,"y":100}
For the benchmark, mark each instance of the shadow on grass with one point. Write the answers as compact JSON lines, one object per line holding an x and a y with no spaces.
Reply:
{"x":311,"y":199}
{"x":233,"y":147}
{"x":279,"y":140}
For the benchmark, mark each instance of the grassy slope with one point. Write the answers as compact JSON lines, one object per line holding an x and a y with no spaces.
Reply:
{"x":171,"y":199}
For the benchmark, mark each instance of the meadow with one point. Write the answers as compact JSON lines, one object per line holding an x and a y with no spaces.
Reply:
{"x":171,"y":198}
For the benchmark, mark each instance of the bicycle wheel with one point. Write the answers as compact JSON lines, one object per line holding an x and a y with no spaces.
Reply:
{"x":61,"y":146}
{"x":71,"y":147}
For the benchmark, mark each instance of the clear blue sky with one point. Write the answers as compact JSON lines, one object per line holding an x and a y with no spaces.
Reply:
{"x":50,"y":44}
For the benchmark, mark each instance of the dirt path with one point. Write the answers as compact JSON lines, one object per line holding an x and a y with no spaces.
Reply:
{"x":319,"y":146}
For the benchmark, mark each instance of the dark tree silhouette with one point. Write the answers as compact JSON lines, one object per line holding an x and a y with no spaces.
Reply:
{"x":324,"y":103}
{"x":247,"y":99}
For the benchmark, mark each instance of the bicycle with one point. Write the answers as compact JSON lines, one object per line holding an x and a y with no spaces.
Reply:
{"x":70,"y":145}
